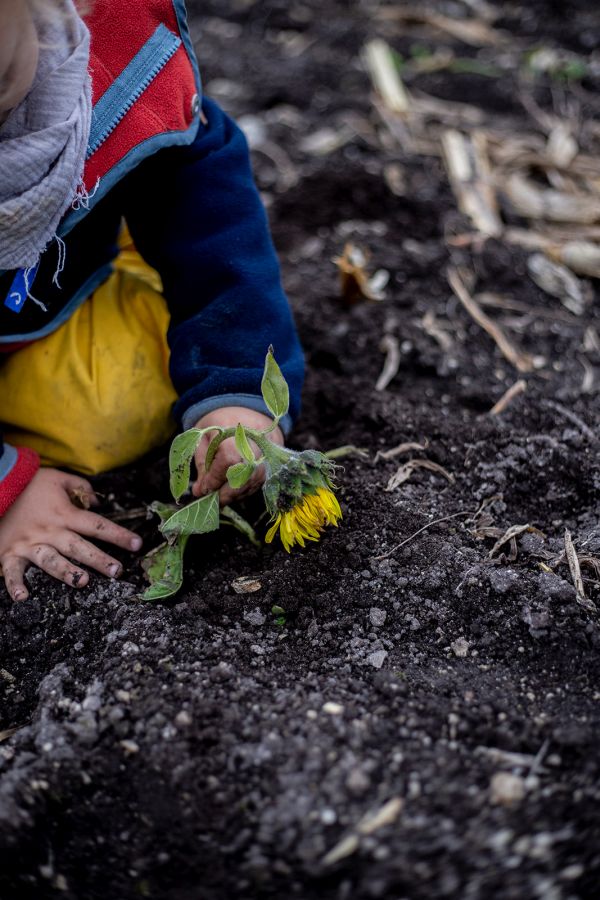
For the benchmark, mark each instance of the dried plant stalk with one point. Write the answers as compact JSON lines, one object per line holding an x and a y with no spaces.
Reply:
{"x":406,"y":470}
{"x":384,"y":74}
{"x":575,"y":569}
{"x":470,"y":31}
{"x":523,"y":362}
{"x":519,"y":387}
{"x":406,"y":447}
{"x":468,"y":168}
{"x":390,"y":346}
{"x":546,"y":203}
{"x":582,"y":257}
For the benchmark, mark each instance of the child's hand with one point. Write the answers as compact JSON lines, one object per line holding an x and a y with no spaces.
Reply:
{"x":227,"y":455}
{"x":43,"y":527}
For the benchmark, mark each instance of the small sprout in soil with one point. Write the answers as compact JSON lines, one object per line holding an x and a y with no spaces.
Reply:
{"x":280,"y":615}
{"x":298,"y":490}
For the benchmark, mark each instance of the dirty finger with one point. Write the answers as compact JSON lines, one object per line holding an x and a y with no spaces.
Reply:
{"x":13,"y":570}
{"x":53,"y":563}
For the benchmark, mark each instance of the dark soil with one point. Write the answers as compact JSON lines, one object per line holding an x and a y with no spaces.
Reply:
{"x":202,"y":750}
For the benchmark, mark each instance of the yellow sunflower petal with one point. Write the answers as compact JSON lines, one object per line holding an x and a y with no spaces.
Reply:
{"x":273,"y":529}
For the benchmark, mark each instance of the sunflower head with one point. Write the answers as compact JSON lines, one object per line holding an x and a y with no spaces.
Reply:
{"x":299,"y":495}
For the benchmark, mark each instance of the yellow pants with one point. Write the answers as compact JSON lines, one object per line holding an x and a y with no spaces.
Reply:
{"x":96,"y":393}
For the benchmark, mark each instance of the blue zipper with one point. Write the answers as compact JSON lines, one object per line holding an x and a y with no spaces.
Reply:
{"x":129,"y":86}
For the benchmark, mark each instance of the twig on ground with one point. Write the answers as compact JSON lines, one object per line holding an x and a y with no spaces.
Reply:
{"x":345,"y":451}
{"x":391,"y":347}
{"x":369,"y":824}
{"x":127,"y":515}
{"x":587,"y":382}
{"x":523,"y":362}
{"x":431,"y":327}
{"x":406,"y":447}
{"x":496,"y":301}
{"x":407,"y":540}
{"x":470,"y":31}
{"x":575,"y":569}
{"x":519,"y":387}
{"x":573,"y":418}
{"x":405,"y":471}
{"x":510,"y":535}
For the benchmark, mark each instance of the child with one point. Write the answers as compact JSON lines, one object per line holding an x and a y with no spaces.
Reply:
{"x":101,"y":121}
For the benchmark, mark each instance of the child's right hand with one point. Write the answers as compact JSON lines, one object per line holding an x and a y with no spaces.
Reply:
{"x":45,"y":528}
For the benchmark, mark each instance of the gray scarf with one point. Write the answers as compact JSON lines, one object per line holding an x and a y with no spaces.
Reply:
{"x":43,"y":142}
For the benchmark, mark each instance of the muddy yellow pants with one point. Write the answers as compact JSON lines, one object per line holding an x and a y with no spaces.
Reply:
{"x":96,"y":393}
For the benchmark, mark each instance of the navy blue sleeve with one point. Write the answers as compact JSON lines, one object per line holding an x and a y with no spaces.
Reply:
{"x":196,"y":216}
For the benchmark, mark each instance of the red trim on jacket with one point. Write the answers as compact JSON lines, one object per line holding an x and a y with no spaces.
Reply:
{"x":27,"y":464}
{"x":119,"y":28}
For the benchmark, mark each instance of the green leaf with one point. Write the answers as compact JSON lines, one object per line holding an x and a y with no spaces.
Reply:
{"x":164,"y":568}
{"x":242,"y":445}
{"x":238,"y":475}
{"x":195,"y":518}
{"x":274,"y":388}
{"x":180,"y":457}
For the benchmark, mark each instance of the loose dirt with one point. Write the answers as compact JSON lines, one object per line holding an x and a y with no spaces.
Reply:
{"x":420,"y":723}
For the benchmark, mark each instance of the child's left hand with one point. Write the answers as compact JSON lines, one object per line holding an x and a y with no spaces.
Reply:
{"x":227,"y":455}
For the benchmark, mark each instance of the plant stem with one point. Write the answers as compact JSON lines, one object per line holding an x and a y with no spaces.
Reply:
{"x":233,"y":518}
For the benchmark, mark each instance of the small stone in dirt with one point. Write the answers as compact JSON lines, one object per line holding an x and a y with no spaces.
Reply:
{"x":358,"y":782}
{"x":556,"y":588}
{"x":246,"y":585}
{"x":255,"y":617}
{"x":183,"y":718}
{"x":377,"y":616}
{"x":377,"y":658}
{"x":503,"y":580}
{"x":129,"y":648}
{"x":460,"y":647}
{"x":332,"y":708}
{"x":328,"y":816}
{"x":222,"y":672}
{"x":130,"y":747}
{"x":572,"y":872}
{"x":507,"y":789}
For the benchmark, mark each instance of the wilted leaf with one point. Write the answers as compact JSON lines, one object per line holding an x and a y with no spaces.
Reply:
{"x":405,"y":471}
{"x":164,"y":569}
{"x":198,"y":517}
{"x":274,"y":388}
{"x":511,"y":534}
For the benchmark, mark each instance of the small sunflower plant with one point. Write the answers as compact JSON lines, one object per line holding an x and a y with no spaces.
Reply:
{"x":298,"y":489}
